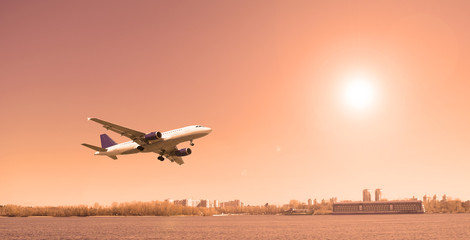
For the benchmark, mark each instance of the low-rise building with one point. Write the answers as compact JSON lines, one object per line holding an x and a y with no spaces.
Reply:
{"x":384,"y":207}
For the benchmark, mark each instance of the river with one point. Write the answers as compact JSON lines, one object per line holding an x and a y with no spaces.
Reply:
{"x":413,"y":226}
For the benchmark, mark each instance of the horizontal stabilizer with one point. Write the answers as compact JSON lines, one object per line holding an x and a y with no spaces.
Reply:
{"x":113,"y":157}
{"x":94,"y":147}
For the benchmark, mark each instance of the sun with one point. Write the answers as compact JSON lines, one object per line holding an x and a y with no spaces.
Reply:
{"x":359,"y":92}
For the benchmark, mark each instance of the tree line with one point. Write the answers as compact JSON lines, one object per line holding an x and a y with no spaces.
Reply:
{"x":445,"y":205}
{"x":159,"y":208}
{"x":154,"y":208}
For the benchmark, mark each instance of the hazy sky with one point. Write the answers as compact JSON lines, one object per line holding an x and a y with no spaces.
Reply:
{"x":306,"y":99}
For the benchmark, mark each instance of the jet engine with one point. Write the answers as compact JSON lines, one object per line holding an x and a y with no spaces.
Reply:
{"x":152,"y":136}
{"x":183,"y":152}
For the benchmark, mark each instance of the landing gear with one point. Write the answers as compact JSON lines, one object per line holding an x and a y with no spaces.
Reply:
{"x":191,"y":142}
{"x":161,"y":158}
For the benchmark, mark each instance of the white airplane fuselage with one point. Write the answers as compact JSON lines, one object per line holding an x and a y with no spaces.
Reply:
{"x":168,"y":139}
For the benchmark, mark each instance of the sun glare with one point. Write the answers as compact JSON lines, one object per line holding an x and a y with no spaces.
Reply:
{"x":359,"y":92}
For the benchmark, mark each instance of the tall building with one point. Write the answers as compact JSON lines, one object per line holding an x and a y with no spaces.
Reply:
{"x":309,"y":202}
{"x":204,"y":203}
{"x":378,"y":194}
{"x":187,"y":202}
{"x":234,"y":203}
{"x":366,"y":195}
{"x":195,"y":203}
{"x":216,"y":203}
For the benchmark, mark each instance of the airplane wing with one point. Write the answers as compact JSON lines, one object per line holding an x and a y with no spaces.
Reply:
{"x":134,"y":135}
{"x":176,"y":159}
{"x":173,"y":158}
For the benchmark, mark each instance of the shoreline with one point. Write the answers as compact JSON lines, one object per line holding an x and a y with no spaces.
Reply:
{"x":228,"y":215}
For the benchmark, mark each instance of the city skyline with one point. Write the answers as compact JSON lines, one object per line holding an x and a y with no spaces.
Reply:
{"x":306,"y":99}
{"x":366,"y":197}
{"x":211,"y":203}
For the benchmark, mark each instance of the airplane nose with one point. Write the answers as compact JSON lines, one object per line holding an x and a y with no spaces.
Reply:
{"x":208,"y":130}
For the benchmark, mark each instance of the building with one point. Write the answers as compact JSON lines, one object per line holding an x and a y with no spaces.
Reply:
{"x":204,"y":203}
{"x":234,"y":203}
{"x":378,"y":194}
{"x":195,"y":203}
{"x":366,"y":195}
{"x":384,"y":207}
{"x":187,"y":202}
{"x":293,"y":211}
{"x":309,"y":202}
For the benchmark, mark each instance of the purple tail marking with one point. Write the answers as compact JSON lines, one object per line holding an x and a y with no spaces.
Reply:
{"x":106,"y":141}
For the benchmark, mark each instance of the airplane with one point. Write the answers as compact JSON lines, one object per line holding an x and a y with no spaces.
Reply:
{"x":164,"y":144}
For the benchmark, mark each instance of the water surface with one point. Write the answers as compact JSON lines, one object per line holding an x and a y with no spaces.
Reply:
{"x":417,"y":226}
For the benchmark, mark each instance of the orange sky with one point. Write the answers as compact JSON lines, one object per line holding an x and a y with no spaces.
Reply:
{"x":264,"y":75}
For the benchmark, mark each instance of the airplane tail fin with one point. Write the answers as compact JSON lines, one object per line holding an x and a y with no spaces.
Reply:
{"x":94,"y":147}
{"x":106,"y":141}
